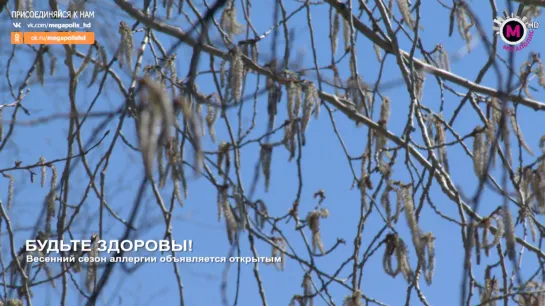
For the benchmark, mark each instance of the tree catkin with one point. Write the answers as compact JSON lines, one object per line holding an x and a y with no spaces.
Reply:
{"x":307,"y":290}
{"x":278,"y":250}
{"x":497,"y":236}
{"x":377,"y":52}
{"x":509,"y":228}
{"x":230,"y":221}
{"x":266,"y":159}
{"x":11,"y":189}
{"x":126,"y":46}
{"x":292,"y":91}
{"x":176,"y":191}
{"x":335,"y":32}
{"x":411,"y":221}
{"x":14,"y":302}
{"x":229,"y":21}
{"x":538,"y":186}
{"x":274,"y":96}
{"x":313,"y":221}
{"x":236,"y":74}
{"x":43,"y":171}
{"x":489,"y":153}
{"x":385,"y":201}
{"x":478,"y":153}
{"x":223,"y":73}
{"x":405,"y":10}
{"x":261,"y":213}
{"x":441,"y":143}
{"x":429,"y":243}
{"x":211,"y":116}
{"x":443,"y":58}
{"x":518,"y":132}
{"x":419,"y":80}
{"x":92,"y":268}
{"x":392,"y":241}
{"x":311,"y":103}
{"x":380,"y":140}
{"x":541,"y":73}
{"x":489,"y":292}
{"x":51,"y":198}
{"x":402,"y":257}
{"x":399,"y":203}
{"x":346,"y":34}
{"x":465,"y":23}
{"x":354,"y":299}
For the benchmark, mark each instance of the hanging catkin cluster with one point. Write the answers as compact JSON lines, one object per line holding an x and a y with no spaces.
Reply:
{"x":297,"y":299}
{"x":353,"y":92}
{"x":211,"y":117}
{"x":490,"y":290}
{"x":428,"y":241}
{"x":14,"y":302}
{"x":441,"y":141}
{"x":265,"y":157}
{"x":98,"y":66}
{"x":354,"y":300}
{"x":517,"y":130}
{"x":334,"y":34}
{"x":11,"y":189}
{"x":534,"y":294}
{"x":155,"y":110}
{"x":538,"y":186}
{"x":486,"y":244}
{"x":229,"y":21}
{"x":43,"y":171}
{"x":479,"y":153}
{"x":224,"y":158}
{"x":441,"y":58}
{"x":540,"y":70}
{"x":192,"y":119}
{"x":509,"y":228}
{"x":92,"y":268}
{"x":465,"y":23}
{"x":531,"y":11}
{"x":231,"y":223}
{"x":261,"y":213}
{"x":291,"y":130}
{"x":365,"y":180}
{"x":295,"y":99}
{"x":380,"y":141}
{"x":278,"y":250}
{"x":308,"y":300}
{"x":313,"y":221}
{"x":405,"y":10}
{"x":346,"y":34}
{"x":51,"y":197}
{"x":419,"y":79}
{"x":126,"y":45}
{"x":311,"y":103}
{"x":236,"y":74}
{"x":395,"y":246}
{"x":410,"y":216}
{"x":385,"y":201}
{"x":274,"y":96}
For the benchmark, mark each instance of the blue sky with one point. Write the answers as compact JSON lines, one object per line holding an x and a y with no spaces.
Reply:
{"x":323,"y":163}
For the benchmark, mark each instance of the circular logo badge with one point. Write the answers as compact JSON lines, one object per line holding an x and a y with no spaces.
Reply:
{"x":513,"y":31}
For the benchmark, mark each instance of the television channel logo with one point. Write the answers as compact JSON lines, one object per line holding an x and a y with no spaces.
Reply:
{"x":515,"y":31}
